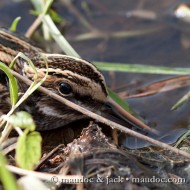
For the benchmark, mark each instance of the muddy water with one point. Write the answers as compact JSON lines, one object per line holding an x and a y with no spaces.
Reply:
{"x":167,"y":45}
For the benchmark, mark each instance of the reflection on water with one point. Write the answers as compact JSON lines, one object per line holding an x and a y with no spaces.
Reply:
{"x":167,"y":46}
{"x":135,"y":143}
{"x":156,"y":109}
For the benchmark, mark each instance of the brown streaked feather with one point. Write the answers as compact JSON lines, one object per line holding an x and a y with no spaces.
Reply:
{"x":10,"y":45}
{"x":87,"y":83}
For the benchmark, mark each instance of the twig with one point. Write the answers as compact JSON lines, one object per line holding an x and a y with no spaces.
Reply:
{"x":8,"y":142}
{"x":42,"y":161}
{"x":102,"y":119}
{"x":54,"y":178}
{"x":38,"y":20}
{"x":132,"y":118}
{"x":119,"y":34}
{"x":78,"y":15}
{"x":34,"y":26}
{"x":9,"y":149}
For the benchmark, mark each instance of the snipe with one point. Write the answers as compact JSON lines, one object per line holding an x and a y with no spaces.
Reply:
{"x":77,"y":80}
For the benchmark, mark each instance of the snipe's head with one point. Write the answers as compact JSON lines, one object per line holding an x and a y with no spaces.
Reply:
{"x":75,"y":79}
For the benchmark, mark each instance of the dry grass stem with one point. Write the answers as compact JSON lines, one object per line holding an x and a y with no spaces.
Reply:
{"x":102,"y":119}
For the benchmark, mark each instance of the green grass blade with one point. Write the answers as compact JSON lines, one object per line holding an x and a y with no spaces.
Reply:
{"x":7,"y":179}
{"x":14,"y":24}
{"x":58,"y":37}
{"x":137,"y":68}
{"x":43,"y":80}
{"x":120,"y":101}
{"x":182,"y":101}
{"x":13,"y":86}
{"x":52,"y":28}
{"x":21,"y":55}
{"x":183,"y":137}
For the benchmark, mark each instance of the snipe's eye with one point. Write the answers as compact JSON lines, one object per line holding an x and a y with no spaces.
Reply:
{"x":65,"y":88}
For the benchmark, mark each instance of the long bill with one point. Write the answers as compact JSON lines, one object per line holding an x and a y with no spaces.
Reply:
{"x":119,"y":115}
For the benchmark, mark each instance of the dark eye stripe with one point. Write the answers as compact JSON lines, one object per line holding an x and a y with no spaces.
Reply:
{"x":82,"y":68}
{"x":79,"y":67}
{"x":58,"y":75}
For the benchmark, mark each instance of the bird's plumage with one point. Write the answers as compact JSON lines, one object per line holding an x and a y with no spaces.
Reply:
{"x":86,"y":83}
